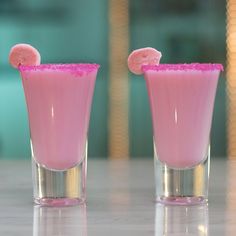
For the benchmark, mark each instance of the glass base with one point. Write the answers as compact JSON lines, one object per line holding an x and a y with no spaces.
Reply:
{"x":188,"y":186}
{"x":58,"y":202}
{"x":183,"y":201}
{"x":59,"y":188}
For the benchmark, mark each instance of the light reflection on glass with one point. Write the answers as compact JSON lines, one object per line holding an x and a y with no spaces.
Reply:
{"x":52,"y":111}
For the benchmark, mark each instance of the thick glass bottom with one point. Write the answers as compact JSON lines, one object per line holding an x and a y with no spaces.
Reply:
{"x":59,"y":188}
{"x":187,"y":186}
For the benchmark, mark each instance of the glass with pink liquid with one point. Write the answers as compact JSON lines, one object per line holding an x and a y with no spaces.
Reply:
{"x":182,"y":100}
{"x":59,"y":98}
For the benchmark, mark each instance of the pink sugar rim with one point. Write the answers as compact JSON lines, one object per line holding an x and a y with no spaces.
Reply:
{"x":74,"y":68}
{"x":181,"y":67}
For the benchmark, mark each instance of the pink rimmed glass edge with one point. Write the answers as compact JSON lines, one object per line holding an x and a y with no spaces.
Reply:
{"x":185,"y":67}
{"x":78,"y":69}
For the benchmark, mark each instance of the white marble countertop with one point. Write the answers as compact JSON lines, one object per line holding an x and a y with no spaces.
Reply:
{"x":120,"y":202}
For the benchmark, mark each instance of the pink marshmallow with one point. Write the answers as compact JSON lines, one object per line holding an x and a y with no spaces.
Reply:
{"x":24,"y":54}
{"x":143,"y":56}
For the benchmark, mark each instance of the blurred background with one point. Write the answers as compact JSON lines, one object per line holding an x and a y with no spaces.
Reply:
{"x":104,"y":32}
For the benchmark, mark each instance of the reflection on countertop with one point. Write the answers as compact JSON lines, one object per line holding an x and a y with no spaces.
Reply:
{"x":181,"y":220}
{"x":68,"y":221}
{"x":120,"y":202}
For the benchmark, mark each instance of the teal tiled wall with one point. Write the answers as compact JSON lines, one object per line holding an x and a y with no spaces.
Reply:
{"x":184,"y":31}
{"x":76,"y":31}
{"x":64,"y":32}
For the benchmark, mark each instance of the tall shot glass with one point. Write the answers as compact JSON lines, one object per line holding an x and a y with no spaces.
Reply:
{"x":59,"y":98}
{"x":182,"y":100}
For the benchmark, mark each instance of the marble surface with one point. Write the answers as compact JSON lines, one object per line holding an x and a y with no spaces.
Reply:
{"x":120,"y":202}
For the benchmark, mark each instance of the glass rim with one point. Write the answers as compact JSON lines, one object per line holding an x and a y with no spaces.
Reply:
{"x":67,"y":67}
{"x":203,"y":67}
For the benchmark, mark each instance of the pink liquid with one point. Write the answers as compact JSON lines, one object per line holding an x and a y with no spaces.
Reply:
{"x":182,"y":101}
{"x":59,"y":99}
